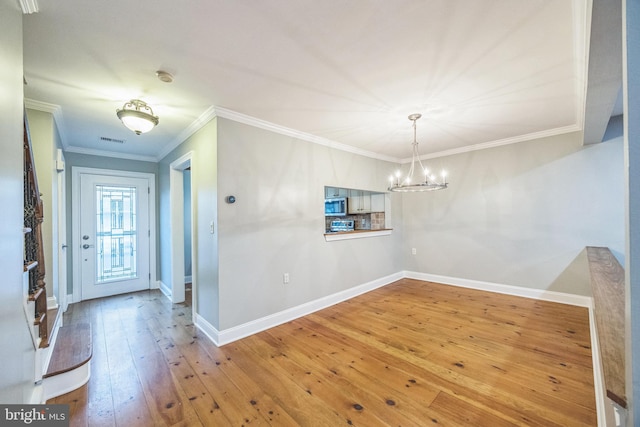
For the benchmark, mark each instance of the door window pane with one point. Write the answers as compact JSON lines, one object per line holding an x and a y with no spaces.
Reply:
{"x":116,"y":234}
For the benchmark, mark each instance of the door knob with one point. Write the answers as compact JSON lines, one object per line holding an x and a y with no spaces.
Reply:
{"x":86,"y":246}
{"x":85,"y":237}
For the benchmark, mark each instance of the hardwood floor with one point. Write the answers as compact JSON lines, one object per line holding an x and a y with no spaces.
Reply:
{"x":410,"y":354}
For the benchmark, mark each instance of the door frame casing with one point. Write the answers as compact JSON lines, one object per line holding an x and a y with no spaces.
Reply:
{"x":76,"y":171}
{"x":176,"y":221}
{"x":62,"y":232}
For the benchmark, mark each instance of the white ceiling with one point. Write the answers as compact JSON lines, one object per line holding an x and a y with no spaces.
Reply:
{"x":482,"y":72}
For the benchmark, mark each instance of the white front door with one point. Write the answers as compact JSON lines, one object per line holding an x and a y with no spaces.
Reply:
{"x":114,"y":235}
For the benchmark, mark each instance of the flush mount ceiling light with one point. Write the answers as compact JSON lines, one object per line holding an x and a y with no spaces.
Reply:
{"x":137,"y":116}
{"x":408,"y":184}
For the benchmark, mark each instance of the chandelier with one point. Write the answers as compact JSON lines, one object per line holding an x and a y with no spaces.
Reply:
{"x":137,"y":116}
{"x":426,"y":182}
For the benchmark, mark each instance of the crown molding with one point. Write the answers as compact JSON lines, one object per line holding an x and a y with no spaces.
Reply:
{"x":113,"y":154}
{"x":29,"y":6}
{"x":214,"y":111}
{"x":195,"y":126}
{"x":54,"y":110}
{"x":582,"y":13}
{"x":263,"y":124}
{"x":499,"y":143}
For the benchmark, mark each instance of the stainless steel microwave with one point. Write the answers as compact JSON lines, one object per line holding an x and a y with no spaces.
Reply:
{"x":335,"y":207}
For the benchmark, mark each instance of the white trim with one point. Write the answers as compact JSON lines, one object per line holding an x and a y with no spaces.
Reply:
{"x":196,"y":125}
{"x":69,"y":300}
{"x":226,"y":336}
{"x":114,"y":154}
{"x":235,"y":333}
{"x":355,"y":235}
{"x":66,"y":382}
{"x":76,"y":171}
{"x":499,"y":143}
{"x":52,"y":303}
{"x":520,"y":291}
{"x":53,"y":337}
{"x":37,"y":396}
{"x":272,"y":127}
{"x":207,"y":328}
{"x":164,"y":289}
{"x":54,"y":110}
{"x":598,"y":376}
{"x":176,"y":225}
{"x":29,"y":6}
{"x":216,"y":111}
{"x":582,"y":13}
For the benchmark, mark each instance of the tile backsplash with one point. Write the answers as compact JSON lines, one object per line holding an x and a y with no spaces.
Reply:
{"x":372,"y":221}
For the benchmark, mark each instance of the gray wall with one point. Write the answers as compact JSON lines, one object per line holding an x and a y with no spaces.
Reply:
{"x":276,"y":225}
{"x":99,"y":162}
{"x":16,"y":349}
{"x":516,"y":215}
{"x":204,"y":163}
{"x":520,"y":214}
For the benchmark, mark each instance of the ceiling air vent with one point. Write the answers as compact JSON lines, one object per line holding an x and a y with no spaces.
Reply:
{"x":107,"y":139}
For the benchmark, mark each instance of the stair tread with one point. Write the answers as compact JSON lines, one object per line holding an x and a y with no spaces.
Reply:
{"x":73,"y":348}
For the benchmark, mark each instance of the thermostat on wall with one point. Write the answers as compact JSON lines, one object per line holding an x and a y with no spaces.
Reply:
{"x":230,"y":199}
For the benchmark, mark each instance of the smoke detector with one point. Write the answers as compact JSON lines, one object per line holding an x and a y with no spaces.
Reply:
{"x":164,"y":76}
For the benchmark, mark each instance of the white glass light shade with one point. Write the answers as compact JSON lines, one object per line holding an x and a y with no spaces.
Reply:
{"x":137,"y":116}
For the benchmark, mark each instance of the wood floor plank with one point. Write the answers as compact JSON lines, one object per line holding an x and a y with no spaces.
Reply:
{"x":128,"y":395}
{"x":254,"y":357}
{"x":410,"y":353}
{"x":234,"y":404}
{"x":386,"y":392}
{"x":155,"y":376}
{"x":100,"y":411}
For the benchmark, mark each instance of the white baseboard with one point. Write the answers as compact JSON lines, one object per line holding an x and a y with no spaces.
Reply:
{"x":37,"y":396}
{"x":207,"y":328}
{"x":540,"y":294}
{"x":227,"y":336}
{"x":66,"y":382}
{"x":164,"y":289}
{"x":52,"y":303}
{"x":155,"y":284}
{"x":598,"y":376}
{"x":53,"y":337}
{"x":234,"y":333}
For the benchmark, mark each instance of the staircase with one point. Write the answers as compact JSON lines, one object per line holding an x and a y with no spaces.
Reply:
{"x":64,"y":352}
{"x":34,"y":288}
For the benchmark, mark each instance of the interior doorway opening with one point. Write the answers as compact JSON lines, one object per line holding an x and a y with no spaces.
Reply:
{"x":182,"y":243}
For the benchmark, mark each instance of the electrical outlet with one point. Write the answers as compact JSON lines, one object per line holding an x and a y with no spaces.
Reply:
{"x":285,"y":278}
{"x":413,"y":251}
